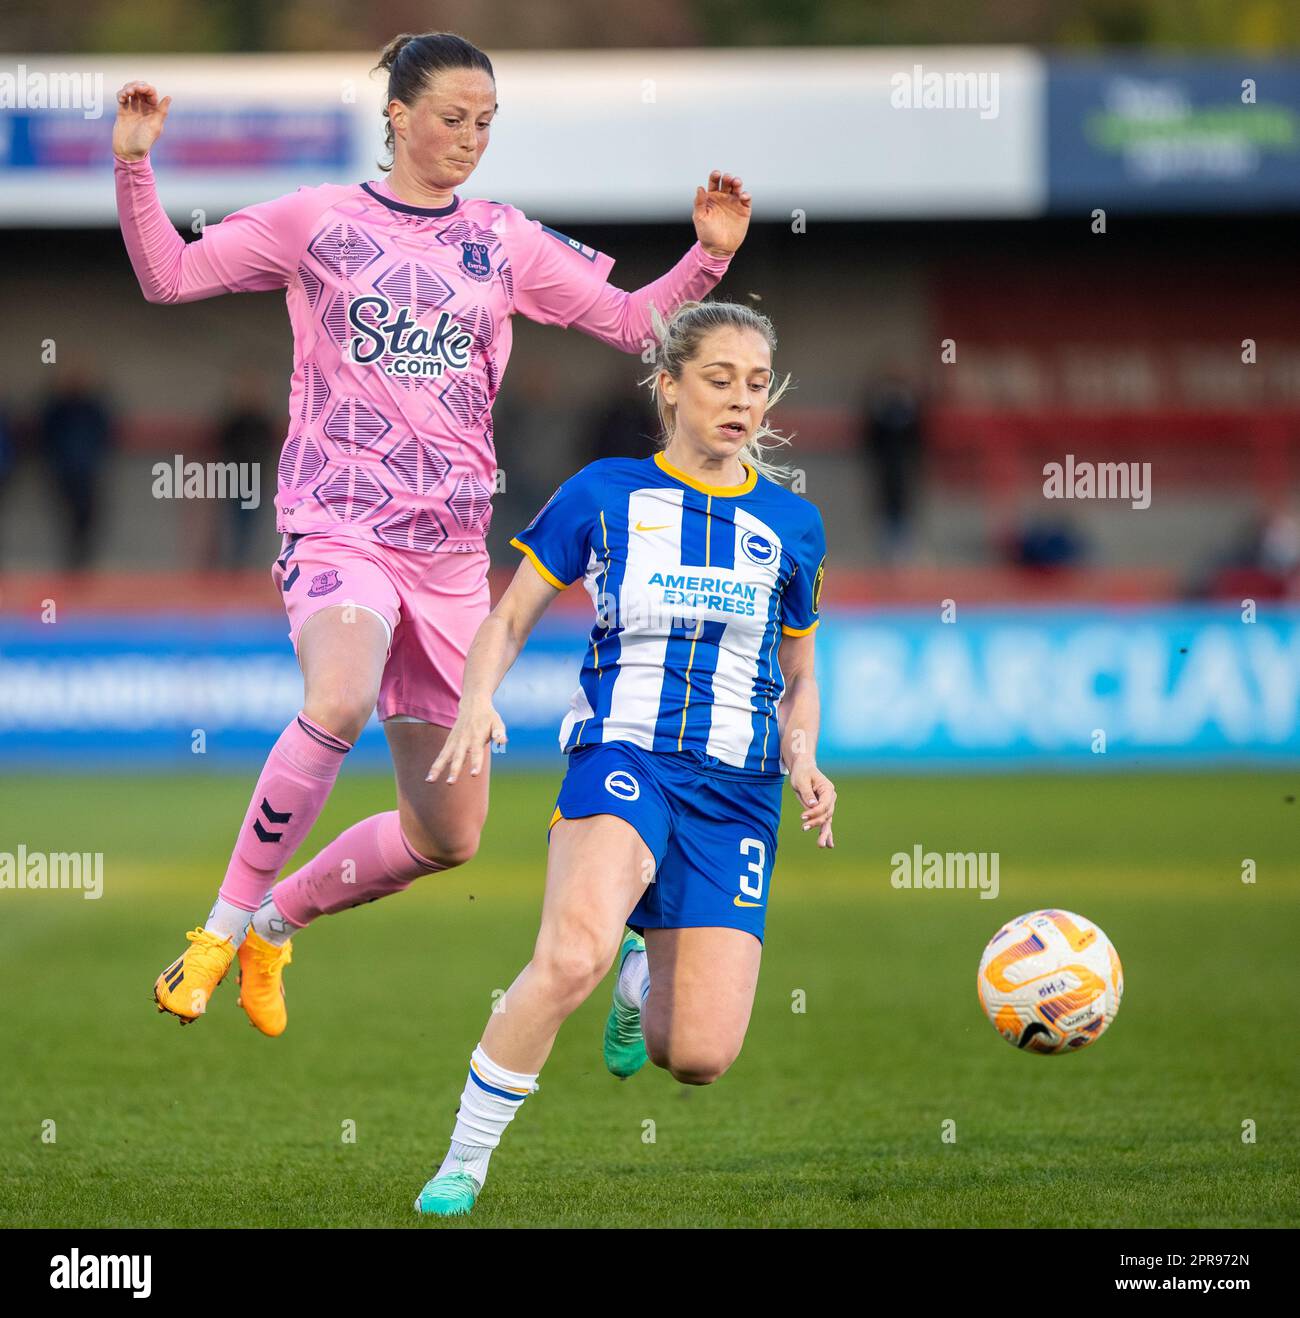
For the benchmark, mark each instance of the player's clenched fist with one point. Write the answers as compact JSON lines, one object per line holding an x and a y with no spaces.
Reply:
{"x":140,"y":119}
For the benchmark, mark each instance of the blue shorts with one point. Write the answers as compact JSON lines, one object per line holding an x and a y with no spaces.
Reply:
{"x":711,"y":829}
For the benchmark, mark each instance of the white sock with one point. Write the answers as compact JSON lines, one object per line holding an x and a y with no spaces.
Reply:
{"x":270,"y":924}
{"x":227,"y":921}
{"x":492,"y":1097}
{"x":634,"y":980}
{"x":469,"y":1158}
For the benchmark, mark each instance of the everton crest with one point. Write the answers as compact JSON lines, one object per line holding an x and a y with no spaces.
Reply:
{"x":474,"y":260}
{"x":324,"y":582}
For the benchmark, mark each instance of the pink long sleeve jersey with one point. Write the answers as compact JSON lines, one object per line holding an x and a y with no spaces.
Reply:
{"x":401,"y":331}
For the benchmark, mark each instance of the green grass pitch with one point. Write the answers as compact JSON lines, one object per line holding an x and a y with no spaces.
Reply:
{"x":832,"y":1116}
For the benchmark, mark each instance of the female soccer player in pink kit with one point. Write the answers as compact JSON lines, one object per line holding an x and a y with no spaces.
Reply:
{"x":400,"y":296}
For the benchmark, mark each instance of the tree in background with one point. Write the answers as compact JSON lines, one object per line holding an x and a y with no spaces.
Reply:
{"x":181,"y":26}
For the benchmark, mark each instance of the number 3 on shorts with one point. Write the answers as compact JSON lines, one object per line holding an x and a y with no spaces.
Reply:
{"x":753,"y":846}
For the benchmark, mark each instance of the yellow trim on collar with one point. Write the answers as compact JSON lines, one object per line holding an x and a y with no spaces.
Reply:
{"x":722,"y":491}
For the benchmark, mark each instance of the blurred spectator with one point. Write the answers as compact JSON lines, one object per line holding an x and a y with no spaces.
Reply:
{"x":893,"y":439}
{"x":1263,"y":563}
{"x":7,"y":459}
{"x":1279,"y":542}
{"x":248,"y":433}
{"x":624,"y":426}
{"x":1047,"y":545}
{"x":75,"y":436}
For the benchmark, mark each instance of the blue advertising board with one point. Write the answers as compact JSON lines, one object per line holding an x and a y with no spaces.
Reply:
{"x":1081,"y":689}
{"x":207,"y":137}
{"x":902,"y":691}
{"x":1140,"y":133}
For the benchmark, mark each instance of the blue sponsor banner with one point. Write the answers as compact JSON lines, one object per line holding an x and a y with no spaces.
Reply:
{"x":1081,"y":689}
{"x":1139,"y":133}
{"x":218,"y":138}
{"x":901,"y":690}
{"x":212,"y":691}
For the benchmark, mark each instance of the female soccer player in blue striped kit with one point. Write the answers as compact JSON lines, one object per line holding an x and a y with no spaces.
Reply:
{"x":696,"y":694}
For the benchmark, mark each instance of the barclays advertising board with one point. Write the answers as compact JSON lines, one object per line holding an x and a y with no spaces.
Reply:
{"x":902,"y":691}
{"x":1137,"y":133}
{"x":1068,"y":689}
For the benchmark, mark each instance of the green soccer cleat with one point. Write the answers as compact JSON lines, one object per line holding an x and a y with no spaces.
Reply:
{"x":452,"y":1195}
{"x":624,"y":1043}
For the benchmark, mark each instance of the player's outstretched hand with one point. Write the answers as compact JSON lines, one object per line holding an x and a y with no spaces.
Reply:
{"x":140,"y":119}
{"x":475,"y":727}
{"x":817,"y":793}
{"x":721,"y":214}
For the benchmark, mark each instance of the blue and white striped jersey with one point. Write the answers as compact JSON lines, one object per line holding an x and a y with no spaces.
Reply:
{"x":694,"y":585}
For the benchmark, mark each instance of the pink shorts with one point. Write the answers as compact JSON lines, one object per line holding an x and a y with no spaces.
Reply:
{"x":432,"y":604}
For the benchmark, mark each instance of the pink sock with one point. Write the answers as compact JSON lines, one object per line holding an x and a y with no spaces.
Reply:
{"x":370,"y":860}
{"x":289,"y":796}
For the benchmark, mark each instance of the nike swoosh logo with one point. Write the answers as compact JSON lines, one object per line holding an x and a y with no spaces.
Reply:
{"x":740,"y":903}
{"x":664,"y":527}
